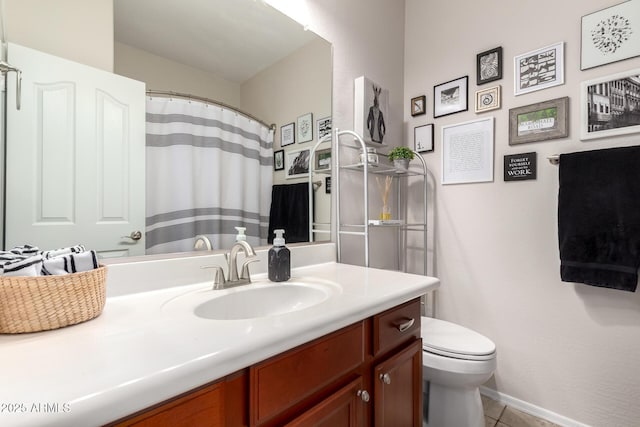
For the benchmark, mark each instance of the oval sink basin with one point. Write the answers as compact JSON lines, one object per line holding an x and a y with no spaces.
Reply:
{"x":253,"y":301}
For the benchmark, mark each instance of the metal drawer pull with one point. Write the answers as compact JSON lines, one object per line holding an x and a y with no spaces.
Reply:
{"x":385,"y":378}
{"x":406,"y":325}
{"x":362,"y":394}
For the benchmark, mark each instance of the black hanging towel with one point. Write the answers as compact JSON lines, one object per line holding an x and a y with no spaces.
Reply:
{"x":290,"y":211}
{"x":599,"y":217}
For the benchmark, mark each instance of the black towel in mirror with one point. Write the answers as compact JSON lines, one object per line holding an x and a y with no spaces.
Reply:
{"x":599,"y":217}
{"x":290,"y":211}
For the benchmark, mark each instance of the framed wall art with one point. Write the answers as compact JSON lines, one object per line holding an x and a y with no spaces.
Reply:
{"x":324,"y":127}
{"x":305,"y":128}
{"x":418,"y":105}
{"x":323,"y":159}
{"x":278,"y":160}
{"x":520,"y":167}
{"x":371,"y":110}
{"x":609,"y":105}
{"x":287,"y":134}
{"x":610,"y":35}
{"x":297,"y":163}
{"x":488,"y":99}
{"x":539,"y":122}
{"x":539,"y":69}
{"x":467,"y":152}
{"x":451,"y":97}
{"x":489,"y":66}
{"x":423,"y":138}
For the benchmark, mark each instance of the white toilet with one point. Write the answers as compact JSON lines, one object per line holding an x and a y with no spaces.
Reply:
{"x":455,"y":362}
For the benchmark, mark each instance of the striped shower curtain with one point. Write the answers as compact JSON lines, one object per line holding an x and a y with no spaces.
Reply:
{"x":209,"y":169}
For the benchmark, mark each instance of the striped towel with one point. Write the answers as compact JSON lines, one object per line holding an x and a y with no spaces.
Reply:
{"x":30,"y":261}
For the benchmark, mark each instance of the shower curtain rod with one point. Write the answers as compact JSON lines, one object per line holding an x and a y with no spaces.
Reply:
{"x":166,"y":93}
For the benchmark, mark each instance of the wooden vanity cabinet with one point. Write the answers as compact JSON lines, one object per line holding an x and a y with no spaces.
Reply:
{"x":366,"y":374}
{"x":221,"y":403}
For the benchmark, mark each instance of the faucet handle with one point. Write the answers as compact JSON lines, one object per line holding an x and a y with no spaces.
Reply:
{"x":218,"y":276}
{"x":245,"y":267}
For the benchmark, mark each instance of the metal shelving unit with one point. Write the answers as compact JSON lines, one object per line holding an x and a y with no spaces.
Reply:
{"x":350,"y":139}
{"x":316,"y":228}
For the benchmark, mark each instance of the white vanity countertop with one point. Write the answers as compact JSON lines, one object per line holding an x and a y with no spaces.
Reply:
{"x":141,"y":350}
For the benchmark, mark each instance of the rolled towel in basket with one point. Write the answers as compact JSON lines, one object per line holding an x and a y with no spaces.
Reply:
{"x":70,"y":263}
{"x":64,"y":251}
{"x":31,"y":266}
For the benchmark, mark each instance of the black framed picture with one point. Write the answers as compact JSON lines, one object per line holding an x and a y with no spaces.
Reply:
{"x":287,"y":134}
{"x":489,"y":65}
{"x":418,"y":105}
{"x":423,"y":138}
{"x":451,"y":97}
{"x":278,"y":160}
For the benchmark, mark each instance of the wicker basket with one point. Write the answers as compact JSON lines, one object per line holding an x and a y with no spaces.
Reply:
{"x":32,"y":304}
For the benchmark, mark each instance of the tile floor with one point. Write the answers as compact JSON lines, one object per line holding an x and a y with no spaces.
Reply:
{"x":498,"y":415}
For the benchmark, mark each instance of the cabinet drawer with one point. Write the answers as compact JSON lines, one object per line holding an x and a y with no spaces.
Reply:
{"x":279,"y":383}
{"x":396,"y":326}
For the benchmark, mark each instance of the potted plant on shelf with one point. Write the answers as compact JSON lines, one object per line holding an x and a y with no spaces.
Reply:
{"x":401,"y":157}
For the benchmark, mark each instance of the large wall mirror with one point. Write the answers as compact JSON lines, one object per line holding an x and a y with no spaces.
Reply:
{"x":242,"y":53}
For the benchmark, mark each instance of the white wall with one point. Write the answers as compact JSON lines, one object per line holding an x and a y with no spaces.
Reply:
{"x":296,"y":85}
{"x":78,"y":30}
{"x":164,"y":74}
{"x":570,"y":348}
{"x":368,"y":39}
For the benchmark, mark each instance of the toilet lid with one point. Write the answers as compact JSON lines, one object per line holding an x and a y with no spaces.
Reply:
{"x":451,"y":340}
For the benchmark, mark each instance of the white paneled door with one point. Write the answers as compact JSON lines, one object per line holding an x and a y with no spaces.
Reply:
{"x":75,"y":157}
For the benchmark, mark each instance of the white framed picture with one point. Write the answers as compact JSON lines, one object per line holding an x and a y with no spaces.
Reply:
{"x":297,"y":163}
{"x":610,"y":35}
{"x":539,"y":69}
{"x":604,"y":105}
{"x":467,"y":152}
{"x":304,"y":126}
{"x":324,"y":127}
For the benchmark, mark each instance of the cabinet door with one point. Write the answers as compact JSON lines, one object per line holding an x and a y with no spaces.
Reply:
{"x":397,"y":389}
{"x":344,"y":408}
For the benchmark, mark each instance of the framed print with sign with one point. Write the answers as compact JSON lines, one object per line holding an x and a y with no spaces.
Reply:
{"x":609,"y":106}
{"x":539,"y":69}
{"x":423,"y":138}
{"x":489,"y":66}
{"x":305,"y":128}
{"x":539,"y":122}
{"x":610,"y":35}
{"x":467,"y":152}
{"x":419,"y":105}
{"x":488,"y":99}
{"x":287,"y":134}
{"x":451,"y":97}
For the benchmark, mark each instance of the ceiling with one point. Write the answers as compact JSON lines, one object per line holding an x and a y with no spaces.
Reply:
{"x":234,"y":39}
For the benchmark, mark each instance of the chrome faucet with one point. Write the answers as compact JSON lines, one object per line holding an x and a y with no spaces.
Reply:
{"x":219,"y":281}
{"x":202,"y":240}
{"x":250,"y":256}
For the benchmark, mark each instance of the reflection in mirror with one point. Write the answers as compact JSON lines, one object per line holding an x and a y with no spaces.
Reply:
{"x":244,"y":54}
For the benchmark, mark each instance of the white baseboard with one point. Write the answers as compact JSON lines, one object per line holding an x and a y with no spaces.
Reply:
{"x":530,"y":408}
